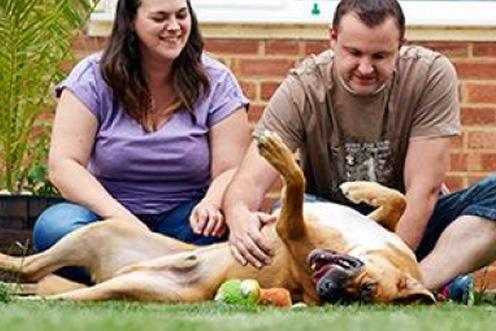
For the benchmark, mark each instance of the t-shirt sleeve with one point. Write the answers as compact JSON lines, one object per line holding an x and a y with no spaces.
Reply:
{"x":82,"y":82}
{"x":283,"y":113}
{"x":226,"y":98}
{"x":438,"y":112}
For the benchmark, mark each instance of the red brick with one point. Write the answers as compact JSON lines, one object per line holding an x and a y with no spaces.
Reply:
{"x":67,"y":65}
{"x":481,"y":93}
{"x":454,"y":182}
{"x":316,"y":47}
{"x":472,"y":179}
{"x":232,"y":46}
{"x":85,"y":44}
{"x":263,"y":67}
{"x":476,"y":70}
{"x":227,"y":61}
{"x":47,"y":116}
{"x":458,"y":162}
{"x":488,"y":162}
{"x":267,"y":89}
{"x":474,"y":162}
{"x":456,"y":142}
{"x":282,"y":47}
{"x":478,"y":116}
{"x":450,"y":49}
{"x":481,"y":140}
{"x":249,"y":89}
{"x":484,"y":49}
{"x":255,"y":112}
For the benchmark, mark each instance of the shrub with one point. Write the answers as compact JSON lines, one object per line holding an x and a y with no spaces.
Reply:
{"x":36,"y":39}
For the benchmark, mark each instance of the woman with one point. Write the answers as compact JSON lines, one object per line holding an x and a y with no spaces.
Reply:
{"x":149,"y":131}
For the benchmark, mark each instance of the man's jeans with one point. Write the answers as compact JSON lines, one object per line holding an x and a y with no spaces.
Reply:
{"x":476,"y":200}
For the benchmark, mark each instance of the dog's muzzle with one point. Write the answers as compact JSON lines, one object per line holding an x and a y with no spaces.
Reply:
{"x":333,"y":273}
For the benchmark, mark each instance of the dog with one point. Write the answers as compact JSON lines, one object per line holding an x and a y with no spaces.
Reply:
{"x":324,"y":253}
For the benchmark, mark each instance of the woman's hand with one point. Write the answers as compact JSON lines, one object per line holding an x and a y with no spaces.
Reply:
{"x":207,"y":220}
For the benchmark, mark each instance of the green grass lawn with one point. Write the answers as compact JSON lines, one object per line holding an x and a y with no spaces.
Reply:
{"x":124,"y":316}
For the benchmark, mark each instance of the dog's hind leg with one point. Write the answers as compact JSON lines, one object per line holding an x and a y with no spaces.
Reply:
{"x":48,"y":285}
{"x":75,"y":249}
{"x":290,"y":223}
{"x":177,"y":278}
{"x":30,"y":268}
{"x":139,"y":286}
{"x":102,"y":248}
{"x":390,"y":203}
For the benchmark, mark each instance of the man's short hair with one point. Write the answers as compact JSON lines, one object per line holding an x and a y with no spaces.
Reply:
{"x":371,"y":12}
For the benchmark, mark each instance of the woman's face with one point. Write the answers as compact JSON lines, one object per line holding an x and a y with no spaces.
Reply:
{"x":163,"y":28}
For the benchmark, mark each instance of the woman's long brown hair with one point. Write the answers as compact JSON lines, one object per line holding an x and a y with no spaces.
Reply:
{"x":122,"y":69}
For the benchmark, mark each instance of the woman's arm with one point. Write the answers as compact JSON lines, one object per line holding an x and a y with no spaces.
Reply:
{"x":73,"y":138}
{"x":229,"y":140}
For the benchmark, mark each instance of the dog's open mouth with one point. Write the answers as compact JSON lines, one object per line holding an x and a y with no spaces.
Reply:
{"x":321,"y":261}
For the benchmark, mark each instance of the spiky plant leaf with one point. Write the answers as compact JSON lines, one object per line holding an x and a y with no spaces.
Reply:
{"x":36,"y":38}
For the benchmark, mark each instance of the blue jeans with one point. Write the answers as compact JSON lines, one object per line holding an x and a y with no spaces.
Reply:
{"x":61,"y":219}
{"x":476,"y":200}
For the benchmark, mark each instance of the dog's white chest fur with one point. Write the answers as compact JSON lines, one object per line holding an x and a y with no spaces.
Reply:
{"x":359,"y":231}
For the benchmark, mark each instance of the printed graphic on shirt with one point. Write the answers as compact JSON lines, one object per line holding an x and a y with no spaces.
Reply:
{"x":368,"y":161}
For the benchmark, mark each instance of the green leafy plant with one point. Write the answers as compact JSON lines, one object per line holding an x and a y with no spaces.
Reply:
{"x":5,"y":295}
{"x":35,"y":177}
{"x":35,"y":41}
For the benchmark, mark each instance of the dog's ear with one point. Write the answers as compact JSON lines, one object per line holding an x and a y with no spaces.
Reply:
{"x":410,"y":290}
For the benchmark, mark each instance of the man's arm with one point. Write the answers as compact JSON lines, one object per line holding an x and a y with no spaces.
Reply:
{"x":241,"y":201}
{"x":426,"y":164}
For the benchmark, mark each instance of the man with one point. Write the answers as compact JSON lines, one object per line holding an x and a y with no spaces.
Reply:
{"x":373,"y":109}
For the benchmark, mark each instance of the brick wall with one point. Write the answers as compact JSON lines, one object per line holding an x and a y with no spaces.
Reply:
{"x":260,"y":65}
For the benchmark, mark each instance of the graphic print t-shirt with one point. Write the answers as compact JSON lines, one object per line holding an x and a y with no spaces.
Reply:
{"x":343,"y":137}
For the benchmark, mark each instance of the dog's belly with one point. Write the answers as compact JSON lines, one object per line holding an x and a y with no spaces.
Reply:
{"x":360,"y":232}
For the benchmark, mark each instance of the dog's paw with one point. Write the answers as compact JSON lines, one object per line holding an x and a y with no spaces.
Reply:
{"x":266,"y":139}
{"x":271,"y":147}
{"x":361,"y":191}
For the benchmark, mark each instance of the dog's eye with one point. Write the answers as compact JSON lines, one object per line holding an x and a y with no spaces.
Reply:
{"x":367,"y":290}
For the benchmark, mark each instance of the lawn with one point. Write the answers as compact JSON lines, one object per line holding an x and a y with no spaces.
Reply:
{"x":125,"y":316}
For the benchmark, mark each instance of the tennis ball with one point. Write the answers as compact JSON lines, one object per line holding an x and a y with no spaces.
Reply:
{"x":239,"y":292}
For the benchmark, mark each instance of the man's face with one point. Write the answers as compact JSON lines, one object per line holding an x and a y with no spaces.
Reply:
{"x":365,"y":57}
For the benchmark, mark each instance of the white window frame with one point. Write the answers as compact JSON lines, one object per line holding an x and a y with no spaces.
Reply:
{"x":417,"y":12}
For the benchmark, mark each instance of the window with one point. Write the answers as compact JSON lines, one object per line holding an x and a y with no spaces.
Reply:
{"x":417,"y":12}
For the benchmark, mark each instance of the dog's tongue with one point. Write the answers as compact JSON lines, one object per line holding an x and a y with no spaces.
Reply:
{"x":319,"y":273}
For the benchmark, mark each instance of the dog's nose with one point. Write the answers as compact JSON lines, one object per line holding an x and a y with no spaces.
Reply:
{"x":329,"y":291}
{"x":324,"y":287}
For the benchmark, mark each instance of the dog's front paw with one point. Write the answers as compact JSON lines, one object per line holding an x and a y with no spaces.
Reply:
{"x":361,"y":191}
{"x":266,"y":139}
{"x":272,"y":148}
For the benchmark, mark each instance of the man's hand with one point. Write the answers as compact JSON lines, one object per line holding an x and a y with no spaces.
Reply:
{"x":207,"y":220}
{"x":247,"y":243}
